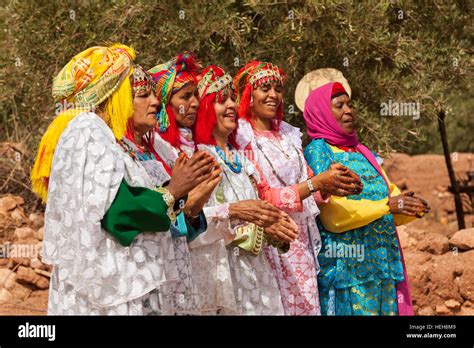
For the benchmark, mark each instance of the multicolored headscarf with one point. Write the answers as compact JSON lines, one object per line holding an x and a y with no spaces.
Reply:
{"x":214,"y":80}
{"x":215,"y":85}
{"x":85,"y":83}
{"x":93,"y":75}
{"x":170,"y":77}
{"x":253,"y":75}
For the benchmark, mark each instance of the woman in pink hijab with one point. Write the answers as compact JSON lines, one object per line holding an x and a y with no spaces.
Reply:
{"x":362,"y":267}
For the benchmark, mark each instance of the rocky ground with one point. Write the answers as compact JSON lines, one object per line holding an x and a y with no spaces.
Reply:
{"x":440,"y":259}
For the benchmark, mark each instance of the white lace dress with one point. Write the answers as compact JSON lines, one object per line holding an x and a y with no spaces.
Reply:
{"x":280,"y":158}
{"x":185,"y":297}
{"x":92,"y":272}
{"x":231,"y":280}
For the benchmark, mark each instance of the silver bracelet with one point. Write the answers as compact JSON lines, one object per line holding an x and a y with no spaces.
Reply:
{"x":309,"y":183}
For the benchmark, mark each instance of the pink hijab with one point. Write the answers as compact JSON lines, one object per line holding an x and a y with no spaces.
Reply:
{"x":321,"y":124}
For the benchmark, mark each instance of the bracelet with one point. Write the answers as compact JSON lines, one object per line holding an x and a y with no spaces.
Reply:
{"x":309,"y":183}
{"x":169,"y":200}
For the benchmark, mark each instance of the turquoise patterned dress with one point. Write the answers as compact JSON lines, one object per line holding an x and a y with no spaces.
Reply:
{"x":360,"y":267}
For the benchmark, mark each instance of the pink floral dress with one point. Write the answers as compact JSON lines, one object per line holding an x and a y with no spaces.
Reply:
{"x":280,"y":158}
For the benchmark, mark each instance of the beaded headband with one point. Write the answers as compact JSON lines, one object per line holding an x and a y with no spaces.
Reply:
{"x":141,"y":81}
{"x":263,"y":76}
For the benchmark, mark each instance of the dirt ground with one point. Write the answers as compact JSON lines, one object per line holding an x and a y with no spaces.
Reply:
{"x":440,"y":259}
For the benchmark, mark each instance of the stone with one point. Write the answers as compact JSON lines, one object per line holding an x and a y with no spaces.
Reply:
{"x":442,"y":310}
{"x":7,"y":278}
{"x":36,"y":220}
{"x":18,"y":214}
{"x":426,"y":311}
{"x":10,"y":202}
{"x":418,"y":263}
{"x":5,"y":295}
{"x":467,"y":308}
{"x":36,"y":263}
{"x":463,"y":239}
{"x":403,"y":236}
{"x":20,"y":291}
{"x":434,"y":243}
{"x":24,"y":233}
{"x":24,"y":261}
{"x":442,"y":279}
{"x":39,"y":293}
{"x":452,"y":304}
{"x":466,"y":280}
{"x":412,"y":242}
{"x":40,"y":233}
{"x":28,"y":276}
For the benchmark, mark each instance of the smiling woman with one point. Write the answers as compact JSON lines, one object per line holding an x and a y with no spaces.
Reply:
{"x":275,"y":147}
{"x":239,"y":219}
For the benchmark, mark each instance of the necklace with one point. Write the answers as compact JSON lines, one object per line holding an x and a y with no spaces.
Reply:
{"x":137,"y":152}
{"x":236,"y":167}
{"x":280,"y":147}
{"x":273,"y":169}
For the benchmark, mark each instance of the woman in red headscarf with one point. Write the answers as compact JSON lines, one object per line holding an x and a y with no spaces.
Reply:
{"x":233,"y":274}
{"x":362,"y":270}
{"x":275,"y":146}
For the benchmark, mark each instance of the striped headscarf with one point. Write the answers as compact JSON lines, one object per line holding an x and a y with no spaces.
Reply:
{"x":170,"y":77}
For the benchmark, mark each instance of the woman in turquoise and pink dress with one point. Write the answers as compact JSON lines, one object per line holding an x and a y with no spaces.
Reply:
{"x":372,"y":281}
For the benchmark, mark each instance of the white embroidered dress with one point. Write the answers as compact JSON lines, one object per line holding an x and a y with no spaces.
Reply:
{"x":231,"y":280}
{"x":92,"y":272}
{"x":296,"y":270}
{"x":185,"y":297}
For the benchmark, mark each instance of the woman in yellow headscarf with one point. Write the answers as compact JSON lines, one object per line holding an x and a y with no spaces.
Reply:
{"x":102,"y":209}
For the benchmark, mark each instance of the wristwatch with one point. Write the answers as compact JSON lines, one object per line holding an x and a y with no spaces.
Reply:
{"x":311,"y":188}
{"x":169,"y":200}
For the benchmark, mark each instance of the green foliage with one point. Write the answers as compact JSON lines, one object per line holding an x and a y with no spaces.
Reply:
{"x":389,"y":50}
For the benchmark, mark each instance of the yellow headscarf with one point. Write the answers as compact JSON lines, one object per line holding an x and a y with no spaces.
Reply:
{"x":89,"y":79}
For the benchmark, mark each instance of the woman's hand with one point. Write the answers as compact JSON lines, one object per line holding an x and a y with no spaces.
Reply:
{"x":200,"y":195}
{"x":189,"y":173}
{"x":338,"y":180}
{"x":259,"y":212}
{"x":285,"y":230}
{"x":408,"y":204}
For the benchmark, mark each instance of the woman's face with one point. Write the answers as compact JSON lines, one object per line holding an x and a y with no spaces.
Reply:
{"x":266,"y":100}
{"x":343,"y":112}
{"x":226,"y":116}
{"x":184,"y":104}
{"x":144,"y":111}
